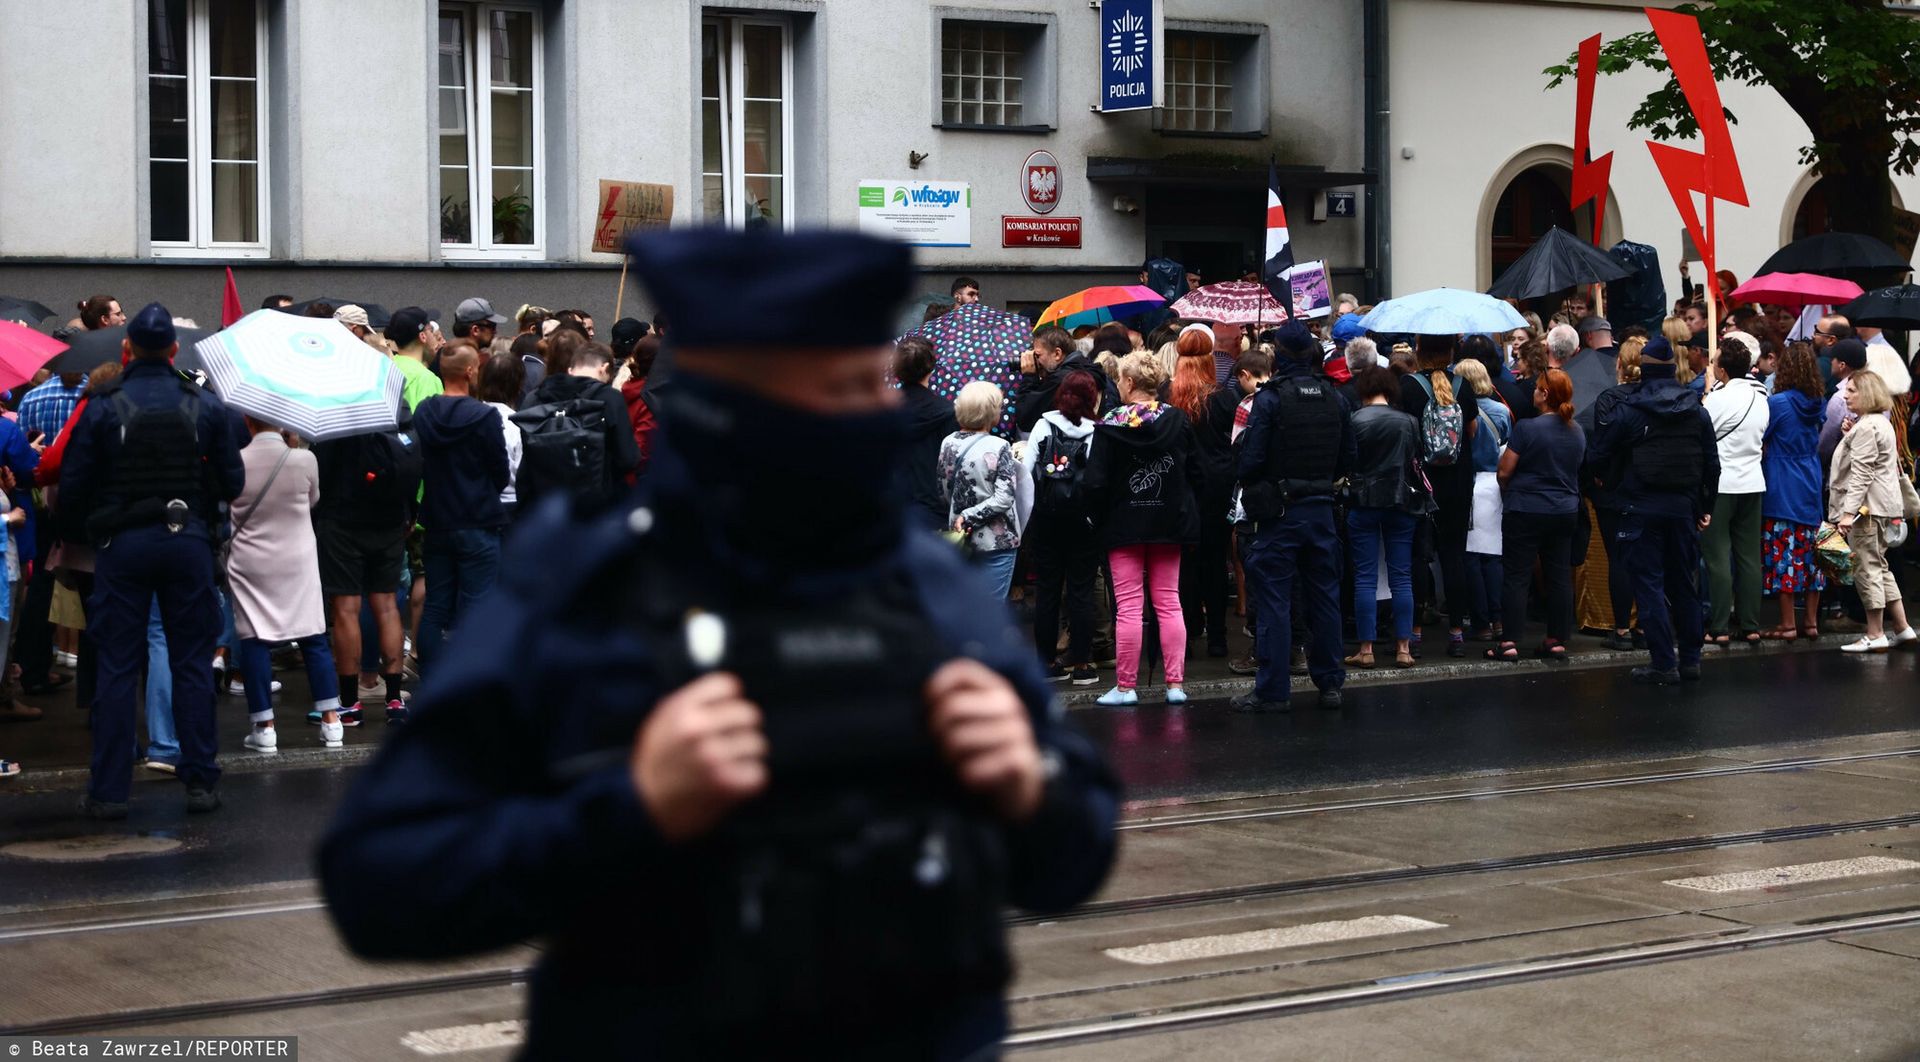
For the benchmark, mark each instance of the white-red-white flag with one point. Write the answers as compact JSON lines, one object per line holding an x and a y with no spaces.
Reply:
{"x":1278,"y":269}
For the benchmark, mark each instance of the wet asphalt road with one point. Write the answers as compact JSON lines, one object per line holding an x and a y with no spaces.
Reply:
{"x":272,"y":819}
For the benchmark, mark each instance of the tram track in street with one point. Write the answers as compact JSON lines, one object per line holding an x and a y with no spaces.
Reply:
{"x":1281,"y":810}
{"x":1164,"y":1018}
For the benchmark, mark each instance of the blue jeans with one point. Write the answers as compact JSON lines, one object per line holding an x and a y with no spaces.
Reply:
{"x":256,"y":667}
{"x":130,"y":571}
{"x":1366,"y":528}
{"x":162,"y":744}
{"x":461,"y":566}
{"x":998,"y":565}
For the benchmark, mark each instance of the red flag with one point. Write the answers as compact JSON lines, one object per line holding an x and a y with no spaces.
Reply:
{"x":230,"y":308}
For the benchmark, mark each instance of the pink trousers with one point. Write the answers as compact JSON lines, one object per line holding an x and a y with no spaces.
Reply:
{"x":1137,"y":571}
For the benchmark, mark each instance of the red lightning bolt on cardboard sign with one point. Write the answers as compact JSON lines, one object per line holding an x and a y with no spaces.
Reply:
{"x":1589,"y":176}
{"x":607,"y":211}
{"x":1714,"y":170}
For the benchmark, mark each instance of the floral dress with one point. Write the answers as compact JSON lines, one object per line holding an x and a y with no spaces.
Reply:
{"x":978,"y":475}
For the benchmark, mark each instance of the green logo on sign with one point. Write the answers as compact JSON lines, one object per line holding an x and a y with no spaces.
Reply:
{"x":900,"y":196}
{"x":873,"y":197}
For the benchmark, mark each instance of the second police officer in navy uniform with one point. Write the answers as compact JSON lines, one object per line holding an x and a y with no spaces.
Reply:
{"x":151,"y":460}
{"x":1298,"y":445}
{"x":762,"y":765}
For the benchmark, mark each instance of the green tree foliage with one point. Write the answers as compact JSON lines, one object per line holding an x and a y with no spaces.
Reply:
{"x":1849,"y":68}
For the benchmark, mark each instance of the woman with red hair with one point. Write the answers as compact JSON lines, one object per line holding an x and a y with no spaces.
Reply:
{"x":1203,"y":568}
{"x":1540,"y":499}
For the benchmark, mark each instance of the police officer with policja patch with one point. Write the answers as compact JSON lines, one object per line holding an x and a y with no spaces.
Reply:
{"x":150,"y":461}
{"x":761,"y":764}
{"x":1299,"y":444}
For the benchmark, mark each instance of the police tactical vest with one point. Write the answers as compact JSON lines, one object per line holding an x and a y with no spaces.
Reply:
{"x":157,"y":460}
{"x":863,"y":877}
{"x":1311,"y":419}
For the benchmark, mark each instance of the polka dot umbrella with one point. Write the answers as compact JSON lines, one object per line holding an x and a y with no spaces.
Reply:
{"x":305,"y":374}
{"x":977,"y":342}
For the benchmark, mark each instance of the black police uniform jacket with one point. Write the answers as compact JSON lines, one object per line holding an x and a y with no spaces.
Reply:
{"x":505,"y":810}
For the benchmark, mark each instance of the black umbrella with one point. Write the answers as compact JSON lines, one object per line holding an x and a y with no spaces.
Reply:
{"x":25,"y":311}
{"x":1834,"y":254}
{"x":1894,"y":307}
{"x":90,"y":350}
{"x":377,"y":315}
{"x":1560,"y":260}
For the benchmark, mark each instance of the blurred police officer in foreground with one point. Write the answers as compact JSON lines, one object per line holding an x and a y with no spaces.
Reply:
{"x":150,"y":462}
{"x":1299,"y":443}
{"x":760,"y":764}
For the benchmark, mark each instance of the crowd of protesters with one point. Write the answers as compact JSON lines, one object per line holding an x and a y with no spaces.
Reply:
{"x":1640,"y":490}
{"x":391,"y":535}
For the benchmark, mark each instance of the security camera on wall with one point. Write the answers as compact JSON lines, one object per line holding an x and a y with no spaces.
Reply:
{"x":1126,"y":204}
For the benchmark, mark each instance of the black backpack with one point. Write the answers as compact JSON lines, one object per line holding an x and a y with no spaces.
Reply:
{"x":383,"y":481}
{"x":1669,"y":453}
{"x":1059,"y":465}
{"x":563,"y":449}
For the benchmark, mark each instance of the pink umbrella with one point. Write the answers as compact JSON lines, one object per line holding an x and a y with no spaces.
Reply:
{"x":1797,"y":289}
{"x":22,"y":352}
{"x":1239,"y":302}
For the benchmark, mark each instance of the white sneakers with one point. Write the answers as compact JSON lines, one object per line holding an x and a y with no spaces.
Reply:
{"x":332,"y":735}
{"x":1119,"y":698}
{"x":66,"y":659}
{"x":237,"y":686}
{"x":263,"y":739}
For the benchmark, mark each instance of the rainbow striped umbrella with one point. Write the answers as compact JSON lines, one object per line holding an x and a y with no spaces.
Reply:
{"x":1097,"y":306}
{"x":306,"y":374}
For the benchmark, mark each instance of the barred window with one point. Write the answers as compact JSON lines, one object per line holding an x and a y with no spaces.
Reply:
{"x":1199,"y":80}
{"x":984,"y":73}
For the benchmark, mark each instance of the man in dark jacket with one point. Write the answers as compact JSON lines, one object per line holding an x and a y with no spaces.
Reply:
{"x":586,"y":381}
{"x":682,"y":707}
{"x":149,"y":463}
{"x":1298,"y":444}
{"x":1656,"y":457}
{"x":929,"y":421}
{"x":1054,"y":356}
{"x":465,"y":458}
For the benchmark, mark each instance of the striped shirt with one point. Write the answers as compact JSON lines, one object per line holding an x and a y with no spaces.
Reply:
{"x":47,"y":407}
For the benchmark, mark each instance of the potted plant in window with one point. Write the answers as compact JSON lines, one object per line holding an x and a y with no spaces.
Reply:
{"x":513,"y":219}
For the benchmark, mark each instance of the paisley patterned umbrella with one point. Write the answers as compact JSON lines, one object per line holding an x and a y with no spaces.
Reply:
{"x":978,"y":342}
{"x":305,"y":374}
{"x":1239,"y":302}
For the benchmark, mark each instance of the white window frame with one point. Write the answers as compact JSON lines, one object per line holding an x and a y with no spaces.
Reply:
{"x":479,"y":130}
{"x":733,"y":140}
{"x":199,"y":158}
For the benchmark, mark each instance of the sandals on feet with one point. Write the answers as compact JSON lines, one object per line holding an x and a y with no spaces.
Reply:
{"x":1551,"y":650}
{"x":1362,"y":659}
{"x":1780,"y":634}
{"x":1505,"y":651}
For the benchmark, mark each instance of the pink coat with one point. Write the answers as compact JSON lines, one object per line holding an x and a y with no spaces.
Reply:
{"x":274,"y":567}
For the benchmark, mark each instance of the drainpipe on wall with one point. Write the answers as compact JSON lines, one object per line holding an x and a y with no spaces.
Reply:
{"x":1379,"y":234}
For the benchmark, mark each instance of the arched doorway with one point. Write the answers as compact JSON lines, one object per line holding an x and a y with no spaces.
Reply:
{"x":1523,"y":199}
{"x":1534,"y":201}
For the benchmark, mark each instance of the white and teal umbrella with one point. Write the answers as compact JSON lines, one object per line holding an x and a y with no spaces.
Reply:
{"x":305,"y":374}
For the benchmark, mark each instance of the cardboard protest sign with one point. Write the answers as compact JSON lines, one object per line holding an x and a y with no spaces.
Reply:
{"x":629,"y":205}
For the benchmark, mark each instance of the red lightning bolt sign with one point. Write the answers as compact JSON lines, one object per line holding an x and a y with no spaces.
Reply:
{"x":1714,"y":170}
{"x":1589,"y":177}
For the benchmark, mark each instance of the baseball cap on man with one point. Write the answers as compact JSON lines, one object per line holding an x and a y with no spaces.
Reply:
{"x":1593,"y":323}
{"x":1849,"y":352}
{"x":474,"y":311}
{"x":351,"y":315}
{"x":405,"y":325}
{"x":1347,"y":329}
{"x":152,"y":329}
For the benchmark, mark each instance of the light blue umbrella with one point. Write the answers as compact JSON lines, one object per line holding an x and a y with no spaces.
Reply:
{"x":1443,"y":312}
{"x":305,"y":374}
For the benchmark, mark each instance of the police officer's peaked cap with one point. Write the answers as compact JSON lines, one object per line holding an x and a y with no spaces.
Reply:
{"x":152,"y":328}
{"x":1293,"y":340}
{"x":764,"y":288}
